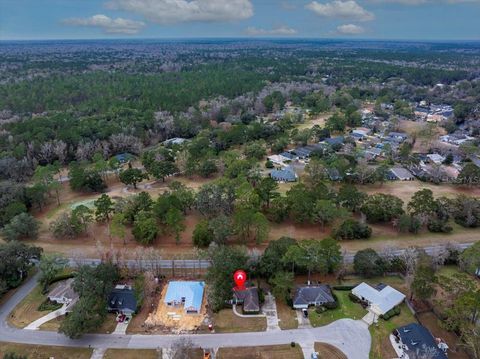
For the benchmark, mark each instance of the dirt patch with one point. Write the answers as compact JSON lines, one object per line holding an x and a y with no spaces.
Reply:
{"x":430,"y":321}
{"x":174,"y":317}
{"x":328,"y":351}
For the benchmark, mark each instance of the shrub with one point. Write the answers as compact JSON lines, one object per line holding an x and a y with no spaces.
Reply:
{"x":354,"y":298}
{"x":331,"y":305}
{"x":438,"y":226}
{"x":344,"y":287}
{"x":269,"y":164}
{"x":352,"y":229}
{"x":49,"y":305}
{"x":391,"y":313}
{"x":320,"y":309}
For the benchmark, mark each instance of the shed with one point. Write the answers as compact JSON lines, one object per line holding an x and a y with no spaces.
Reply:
{"x":186,"y":293}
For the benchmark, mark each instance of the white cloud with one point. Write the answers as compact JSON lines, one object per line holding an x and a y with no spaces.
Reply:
{"x":421,"y":2}
{"x":350,"y":29}
{"x":348,"y":9}
{"x":176,"y":11}
{"x":278,"y":31}
{"x":107,"y":24}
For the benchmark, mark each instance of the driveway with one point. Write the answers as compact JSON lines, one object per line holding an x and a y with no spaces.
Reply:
{"x":350,"y":336}
{"x":269,"y":308}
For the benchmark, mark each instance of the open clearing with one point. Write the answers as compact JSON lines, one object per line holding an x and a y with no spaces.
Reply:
{"x":262,"y":352}
{"x":43,"y":351}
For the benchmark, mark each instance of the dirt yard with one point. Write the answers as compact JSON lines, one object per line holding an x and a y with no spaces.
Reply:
{"x":175,"y":318}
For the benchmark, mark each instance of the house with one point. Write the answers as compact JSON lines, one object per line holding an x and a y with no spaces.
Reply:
{"x":373,"y":152}
{"x":397,"y":136}
{"x":436,"y":158}
{"x":380,"y":299}
{"x":248,"y":298}
{"x":400,"y":173}
{"x":314,"y":295}
{"x":174,"y":141}
{"x":333,"y":141}
{"x":277,"y":159}
{"x":289,"y":156}
{"x":63,"y":293}
{"x":415,"y":341}
{"x":334,"y":174}
{"x":188,"y":294}
{"x":284,"y":175}
{"x":302,"y":152}
{"x":122,"y":300}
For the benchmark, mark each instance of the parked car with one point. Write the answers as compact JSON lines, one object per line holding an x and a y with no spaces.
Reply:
{"x":305,"y":313}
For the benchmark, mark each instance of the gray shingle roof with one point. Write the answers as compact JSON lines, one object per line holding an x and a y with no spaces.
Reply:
{"x":313,"y":294}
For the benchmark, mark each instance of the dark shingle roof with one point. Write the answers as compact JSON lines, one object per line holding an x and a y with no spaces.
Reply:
{"x":417,"y":338}
{"x":249,"y":298}
{"x":313,"y":294}
{"x":122,"y":300}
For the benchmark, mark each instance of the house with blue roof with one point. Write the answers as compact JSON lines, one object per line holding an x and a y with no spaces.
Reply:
{"x":284,"y":175}
{"x":188,"y":294}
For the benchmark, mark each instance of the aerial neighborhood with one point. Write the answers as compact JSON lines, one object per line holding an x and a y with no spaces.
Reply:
{"x":239,"y":198}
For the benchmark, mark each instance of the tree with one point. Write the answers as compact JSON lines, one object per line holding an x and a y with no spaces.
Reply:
{"x":408,"y":223}
{"x":132,"y":176}
{"x":423,"y":204}
{"x":207,"y":167}
{"x":16,"y":259}
{"x":216,"y":198}
{"x":423,"y":285}
{"x":117,"y":226}
{"x":266,"y":190}
{"x":224,"y":262}
{"x":51,"y":264}
{"x":22,"y":226}
{"x":145,"y":228}
{"x":249,"y":223}
{"x":81,"y":216}
{"x":368,"y":263}
{"x":470,"y":174}
{"x":326,"y":211}
{"x":331,"y":251}
{"x":350,"y":197}
{"x":202,"y":235}
{"x":221,"y":228}
{"x":103,"y":208}
{"x":300,"y":203}
{"x":183,"y":348}
{"x":271,"y":260}
{"x":282,"y":284}
{"x":84,"y":179}
{"x":470,"y":258}
{"x":174,"y":221}
{"x":12,"y":355}
{"x":382,"y":207}
{"x":352,"y":229}
{"x":255,"y":150}
{"x":93,"y":285}
{"x":45,"y":176}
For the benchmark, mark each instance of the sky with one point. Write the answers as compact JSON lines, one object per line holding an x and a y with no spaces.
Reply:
{"x":362,"y":19}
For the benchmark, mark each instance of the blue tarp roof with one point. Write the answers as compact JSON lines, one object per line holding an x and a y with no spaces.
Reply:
{"x":191,"y":291}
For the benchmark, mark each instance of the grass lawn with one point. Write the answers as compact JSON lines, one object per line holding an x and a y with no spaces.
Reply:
{"x":262,"y":352}
{"x":381,"y":346}
{"x":346,"y":309}
{"x":108,"y":325}
{"x":53,"y":324}
{"x":132,"y":354}
{"x":286,"y":315}
{"x":27,"y":310}
{"x":227,"y":322}
{"x":328,"y":351}
{"x":44,"y":351}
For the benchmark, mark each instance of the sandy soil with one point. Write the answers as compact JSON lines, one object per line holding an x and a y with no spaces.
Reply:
{"x":175,"y":318}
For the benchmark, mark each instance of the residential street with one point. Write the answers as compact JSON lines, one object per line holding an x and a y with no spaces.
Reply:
{"x":350,"y":336}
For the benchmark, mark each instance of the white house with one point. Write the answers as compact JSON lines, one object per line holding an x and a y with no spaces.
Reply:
{"x":381,"y":298}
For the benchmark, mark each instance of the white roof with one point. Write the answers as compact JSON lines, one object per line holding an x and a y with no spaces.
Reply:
{"x":380,"y":300}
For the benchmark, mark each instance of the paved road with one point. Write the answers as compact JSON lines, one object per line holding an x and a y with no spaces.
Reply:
{"x":204,"y":264}
{"x":350,"y":336}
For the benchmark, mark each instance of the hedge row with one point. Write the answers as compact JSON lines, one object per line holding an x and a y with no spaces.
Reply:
{"x":391,"y":313}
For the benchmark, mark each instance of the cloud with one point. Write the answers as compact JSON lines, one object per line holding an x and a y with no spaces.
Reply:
{"x":350,"y":29}
{"x":341,"y":9}
{"x":107,"y":24}
{"x":421,"y":2}
{"x":177,"y":11}
{"x":278,"y":31}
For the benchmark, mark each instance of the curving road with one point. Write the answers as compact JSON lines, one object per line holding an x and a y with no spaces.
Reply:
{"x":350,"y":336}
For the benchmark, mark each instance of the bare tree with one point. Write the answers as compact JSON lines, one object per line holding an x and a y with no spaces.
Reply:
{"x":183,"y":348}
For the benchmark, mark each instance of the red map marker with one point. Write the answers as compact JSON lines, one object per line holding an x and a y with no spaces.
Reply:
{"x":240,"y":277}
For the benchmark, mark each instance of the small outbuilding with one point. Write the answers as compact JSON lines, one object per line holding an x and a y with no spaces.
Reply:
{"x":313,"y":295}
